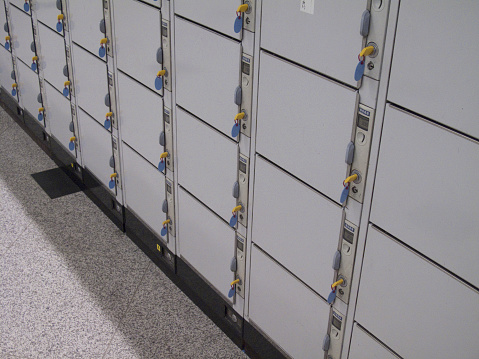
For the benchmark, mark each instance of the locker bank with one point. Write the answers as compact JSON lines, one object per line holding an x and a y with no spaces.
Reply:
{"x":306,"y":168}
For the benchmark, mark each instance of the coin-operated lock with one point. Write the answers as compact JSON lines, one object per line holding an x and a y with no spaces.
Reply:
{"x":240,"y":192}
{"x":238,"y":24}
{"x":245,"y":17}
{"x":333,"y":342}
{"x":166,"y":52}
{"x":116,"y":156}
{"x":370,"y":50}
{"x":106,"y":27}
{"x":166,"y":138}
{"x":168,"y":206}
{"x":246,"y":93}
{"x":343,"y":260}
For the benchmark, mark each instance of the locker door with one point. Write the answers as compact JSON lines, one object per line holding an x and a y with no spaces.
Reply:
{"x":85,"y":18}
{"x":47,"y":13}
{"x":285,"y":309}
{"x":144,"y":189}
{"x":20,"y":4}
{"x":218,"y":15}
{"x":284,"y":207}
{"x":326,"y":39}
{"x":207,"y":164}
{"x":91,"y":83}
{"x":3,"y":21}
{"x":156,"y":3}
{"x":59,"y":116}
{"x":207,"y":74}
{"x":6,"y":68}
{"x":423,"y":192}
{"x":206,"y":242}
{"x":413,"y":307}
{"x":441,"y":87}
{"x":22,"y":34}
{"x":304,"y":123}
{"x":29,"y":88}
{"x":52,"y":57}
{"x":137,"y":50}
{"x":364,"y":346}
{"x":140,"y":125}
{"x":96,"y":148}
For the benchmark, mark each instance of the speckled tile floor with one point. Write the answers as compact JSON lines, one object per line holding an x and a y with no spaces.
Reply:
{"x":74,"y":286}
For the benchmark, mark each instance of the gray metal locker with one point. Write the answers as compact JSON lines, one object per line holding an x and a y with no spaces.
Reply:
{"x":156,"y":3}
{"x":207,"y":163}
{"x":218,"y":15}
{"x":24,"y":5}
{"x":295,"y":225}
{"x":207,"y":74}
{"x":144,"y":189}
{"x":436,"y":75}
{"x":6,"y":69}
{"x":206,"y":242}
{"x":304,"y":123}
{"x":91,"y":83}
{"x":141,"y":126}
{"x":48,"y":12}
{"x":22,"y":35}
{"x":287,"y":311}
{"x":324,"y":37}
{"x":138,"y":52}
{"x":423,"y":193}
{"x":29,"y":88}
{"x":3,"y":22}
{"x":412,"y":306}
{"x":51,"y":52}
{"x":364,"y":346}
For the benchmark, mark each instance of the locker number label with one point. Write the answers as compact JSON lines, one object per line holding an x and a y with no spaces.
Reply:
{"x":307,"y":6}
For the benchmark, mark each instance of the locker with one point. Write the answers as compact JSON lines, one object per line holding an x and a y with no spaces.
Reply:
{"x":22,"y":35}
{"x":141,"y":125}
{"x":207,"y":74}
{"x":423,"y":192}
{"x":326,"y":39}
{"x":29,"y":88}
{"x":206,"y":242}
{"x":91,"y":83}
{"x":3,"y":21}
{"x":144,"y":189}
{"x":412,"y":306}
{"x":96,"y":148}
{"x":304,"y":123}
{"x":85,"y":18}
{"x":6,"y":68}
{"x":285,"y":309}
{"x":137,"y":51}
{"x":59,"y":116}
{"x":440,"y":87}
{"x":364,"y":346}
{"x":52,"y":57}
{"x":207,"y":164}
{"x":218,"y":15}
{"x":283,"y":207}
{"x":47,"y":13}
{"x":156,"y":3}
{"x":24,"y":5}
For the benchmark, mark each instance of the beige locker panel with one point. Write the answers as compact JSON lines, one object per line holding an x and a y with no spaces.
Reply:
{"x":425,"y":193}
{"x":286,"y":208}
{"x":286,"y":310}
{"x":416,"y":309}
{"x":207,"y":164}
{"x":207,"y":74}
{"x":304,"y":123}
{"x":22,"y":34}
{"x":364,"y":346}
{"x":144,"y":189}
{"x":324,"y":38}
{"x":206,"y":242}
{"x":29,"y":88}
{"x":436,"y":73}
{"x":59,"y":116}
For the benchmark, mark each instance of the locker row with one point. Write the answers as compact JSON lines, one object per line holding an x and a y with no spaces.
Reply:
{"x":323,"y":193}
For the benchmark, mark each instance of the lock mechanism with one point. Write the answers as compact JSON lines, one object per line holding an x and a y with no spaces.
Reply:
{"x":170,"y":199}
{"x":246,"y":93}
{"x":166,"y":52}
{"x":107,"y":26}
{"x":347,"y":249}
{"x":333,"y":342}
{"x":240,"y":272}
{"x":243,"y":180}
{"x":168,"y":137}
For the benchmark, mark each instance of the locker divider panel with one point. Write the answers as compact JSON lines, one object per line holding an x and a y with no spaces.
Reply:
{"x":285,"y":309}
{"x":136,"y":49}
{"x":363,"y":346}
{"x":440,"y":87}
{"x":91,"y":83}
{"x":206,"y":242}
{"x":218,"y":15}
{"x":96,"y":148}
{"x":140,"y":125}
{"x":207,"y":74}
{"x":47,"y":13}
{"x":296,"y":226}
{"x":144,"y":189}
{"x":412,"y":306}
{"x":59,"y":115}
{"x":3,"y":20}
{"x":328,"y":40}
{"x":29,"y":88}
{"x":52,"y":56}
{"x":423,"y":192}
{"x":22,"y":34}
{"x":6,"y":68}
{"x":304,"y":123}
{"x":207,"y":164}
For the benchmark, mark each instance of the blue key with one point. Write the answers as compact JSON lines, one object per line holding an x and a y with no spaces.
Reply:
{"x":40,"y":116}
{"x":238,"y":24}
{"x":111,"y":184}
{"x":26,"y":7}
{"x":107,"y":124}
{"x":235,"y":130}
{"x":66,"y":92}
{"x":231,"y":292}
{"x":161,"y":165}
{"x":71,"y":146}
{"x":164,"y":231}
{"x":7,"y":45}
{"x":102,"y":51}
{"x":158,"y":83}
{"x":14,"y":92}
{"x":34,"y":66}
{"x":60,"y":27}
{"x":233,"y":220}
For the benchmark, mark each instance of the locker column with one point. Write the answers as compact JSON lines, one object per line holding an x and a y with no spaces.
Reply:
{"x":214,"y":43}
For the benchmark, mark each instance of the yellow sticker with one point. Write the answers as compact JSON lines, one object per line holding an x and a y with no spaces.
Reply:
{"x":158,"y":247}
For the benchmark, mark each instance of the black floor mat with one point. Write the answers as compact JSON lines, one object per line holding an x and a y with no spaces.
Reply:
{"x":56,"y":183}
